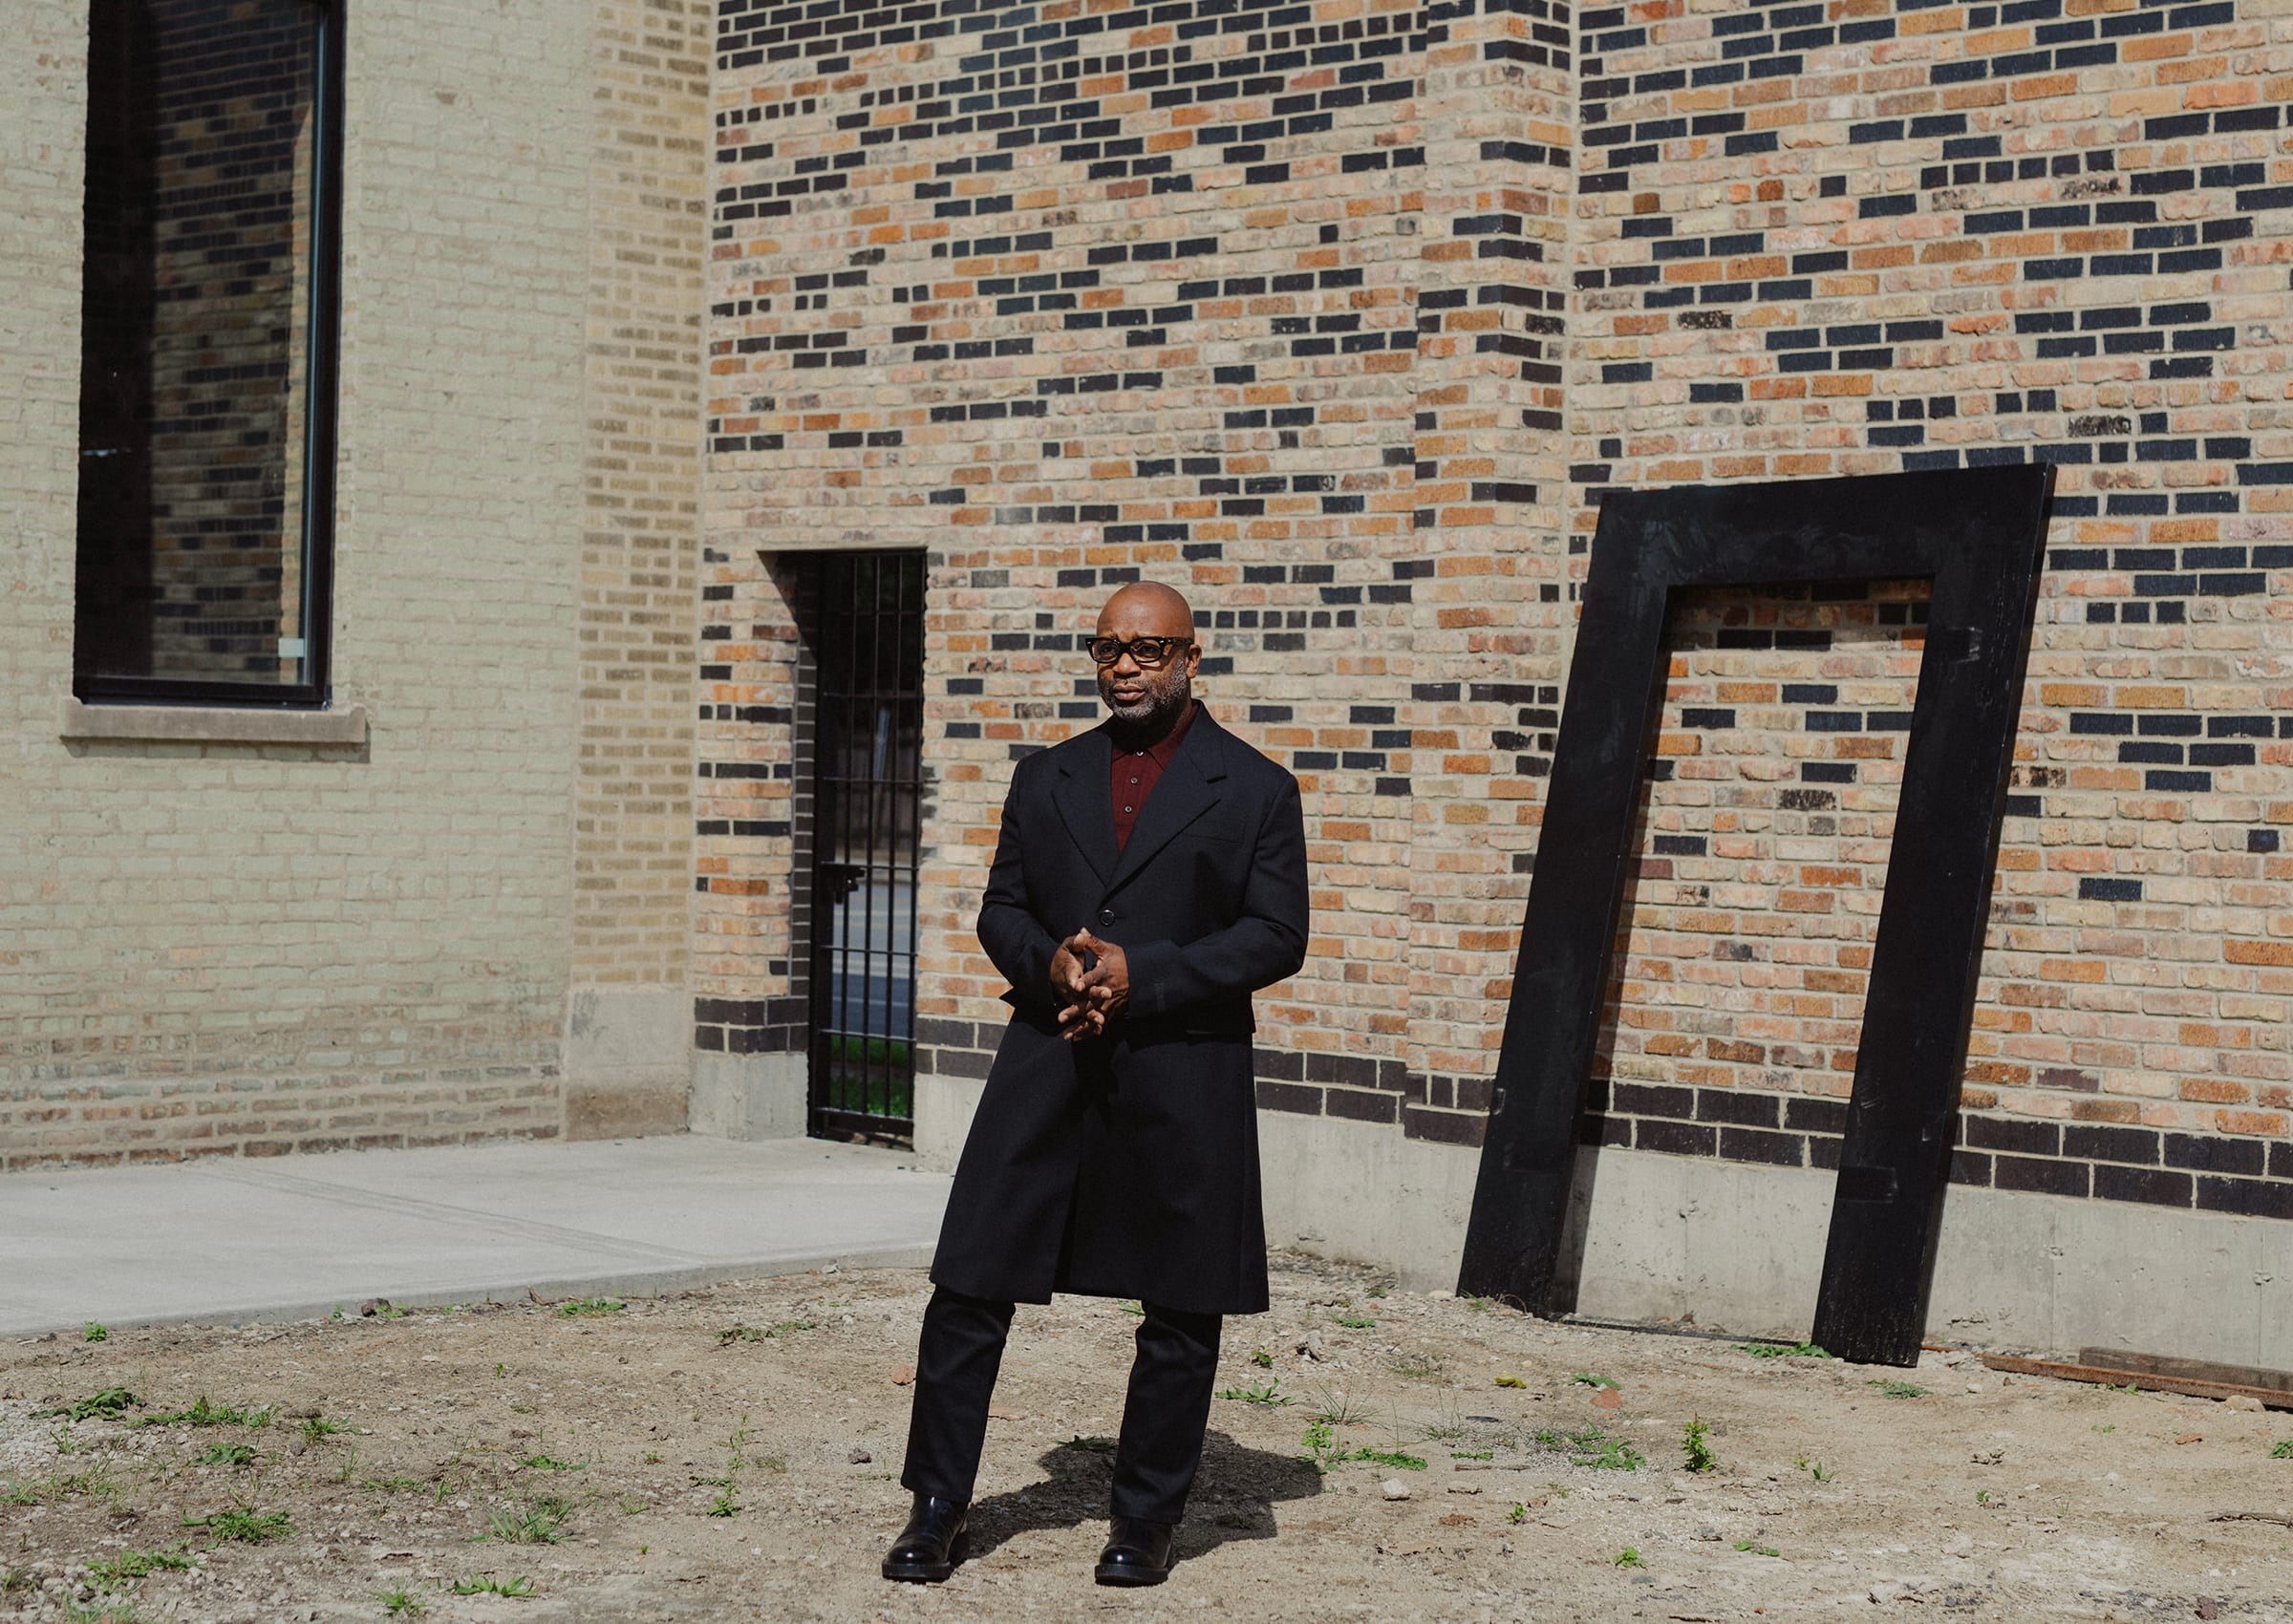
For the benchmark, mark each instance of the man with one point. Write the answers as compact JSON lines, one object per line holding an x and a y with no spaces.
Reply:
{"x":1150,"y":874}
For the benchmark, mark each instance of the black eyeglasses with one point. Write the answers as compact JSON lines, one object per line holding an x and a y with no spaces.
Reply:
{"x":1148,"y":651}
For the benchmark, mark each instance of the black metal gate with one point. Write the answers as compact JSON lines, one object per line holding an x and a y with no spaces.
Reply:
{"x":867,"y":625}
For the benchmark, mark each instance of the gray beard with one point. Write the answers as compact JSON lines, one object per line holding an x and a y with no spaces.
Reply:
{"x":1152,"y":718}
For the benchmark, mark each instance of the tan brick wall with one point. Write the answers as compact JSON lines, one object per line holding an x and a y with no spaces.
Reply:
{"x":1042,"y":307}
{"x":629,"y":1031}
{"x":216,"y":948}
{"x":633,"y":862}
{"x":1011,"y":285}
{"x":1881,"y":235}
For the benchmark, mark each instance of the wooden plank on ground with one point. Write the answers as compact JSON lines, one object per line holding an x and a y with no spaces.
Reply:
{"x":2275,"y":1399}
{"x":2188,"y":1370}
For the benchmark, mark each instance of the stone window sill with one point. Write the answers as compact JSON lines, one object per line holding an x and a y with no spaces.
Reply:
{"x":211,"y":724}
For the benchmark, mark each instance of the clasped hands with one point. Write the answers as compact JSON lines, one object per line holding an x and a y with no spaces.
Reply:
{"x":1089,"y":999}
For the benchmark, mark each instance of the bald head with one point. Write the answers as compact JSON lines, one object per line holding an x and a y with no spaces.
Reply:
{"x":1146,"y":700}
{"x":1143,"y":600}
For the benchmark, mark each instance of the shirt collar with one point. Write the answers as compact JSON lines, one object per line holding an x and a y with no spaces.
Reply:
{"x":1165,"y":747}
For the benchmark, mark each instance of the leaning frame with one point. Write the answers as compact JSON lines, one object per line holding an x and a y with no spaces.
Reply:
{"x":1979,"y":533}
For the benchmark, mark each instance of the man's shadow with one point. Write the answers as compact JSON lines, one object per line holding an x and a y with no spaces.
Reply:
{"x":1233,"y":1495}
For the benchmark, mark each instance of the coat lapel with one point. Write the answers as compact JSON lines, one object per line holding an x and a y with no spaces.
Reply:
{"x":1086,"y":801}
{"x":1187,"y":788}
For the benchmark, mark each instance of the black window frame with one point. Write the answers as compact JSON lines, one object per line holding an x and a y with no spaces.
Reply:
{"x":322,"y":370}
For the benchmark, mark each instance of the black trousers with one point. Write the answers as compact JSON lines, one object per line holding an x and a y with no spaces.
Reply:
{"x":1163,"y":1414}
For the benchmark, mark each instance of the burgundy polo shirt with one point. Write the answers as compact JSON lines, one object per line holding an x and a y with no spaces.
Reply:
{"x":1136,"y":772}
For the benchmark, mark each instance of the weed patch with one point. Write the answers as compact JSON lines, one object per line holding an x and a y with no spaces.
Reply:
{"x":1899,"y":1389}
{"x":591,"y":1305}
{"x":1784,"y":1351}
{"x":1267,"y":1395}
{"x":1593,"y":1447}
{"x":537,"y":1521}
{"x":485,"y":1584}
{"x":229,"y":1454}
{"x":109,"y":1404}
{"x":401,"y":1603}
{"x":1693,"y":1445}
{"x":1757,"y":1549}
{"x":244,"y":1523}
{"x":93,"y":1482}
{"x":125,"y":1569}
{"x":202,"y":1413}
{"x":1586,"y":1379}
{"x":2283,"y":1450}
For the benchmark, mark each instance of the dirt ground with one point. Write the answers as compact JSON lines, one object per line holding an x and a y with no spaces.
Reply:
{"x":734,"y":1454}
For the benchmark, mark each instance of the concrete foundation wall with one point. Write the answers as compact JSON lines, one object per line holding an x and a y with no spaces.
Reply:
{"x":1741,"y":1248}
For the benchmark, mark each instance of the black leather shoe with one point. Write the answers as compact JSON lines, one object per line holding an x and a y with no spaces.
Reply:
{"x":930,"y":1544}
{"x":1138,"y":1553}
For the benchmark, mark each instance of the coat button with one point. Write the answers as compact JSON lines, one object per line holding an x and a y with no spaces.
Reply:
{"x":1107,"y":916}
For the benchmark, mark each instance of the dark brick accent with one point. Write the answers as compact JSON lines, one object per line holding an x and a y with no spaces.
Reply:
{"x":1824,"y":1152}
{"x":1351,"y":1070}
{"x":1288,"y":1097}
{"x":1815,"y":1115}
{"x":1473,"y":1093}
{"x":1444,"y":1127}
{"x":1282,"y":1064}
{"x":2249,"y":1198}
{"x":2280,"y":1161}
{"x":2148,"y":1185}
{"x":1967,"y":1167}
{"x":2215,"y":1155}
{"x":1674,"y":1139}
{"x":2047,"y":1178}
{"x":1359,"y":1104}
{"x":2008,"y":1133}
{"x":1750,"y":1145}
{"x":2092,"y":1142}
{"x":959,"y":1063}
{"x":1647,"y":1099}
{"x":1746,"y":1110}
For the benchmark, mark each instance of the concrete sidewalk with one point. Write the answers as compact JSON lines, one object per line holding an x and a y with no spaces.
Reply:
{"x":227,"y":1240}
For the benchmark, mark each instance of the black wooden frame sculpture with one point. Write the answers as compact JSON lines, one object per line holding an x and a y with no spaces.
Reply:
{"x":1979,"y":533}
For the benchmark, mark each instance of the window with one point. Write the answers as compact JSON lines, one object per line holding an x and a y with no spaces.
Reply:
{"x":207,"y":416}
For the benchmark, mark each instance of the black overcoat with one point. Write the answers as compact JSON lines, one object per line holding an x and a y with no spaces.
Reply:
{"x":1127,"y":1165}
